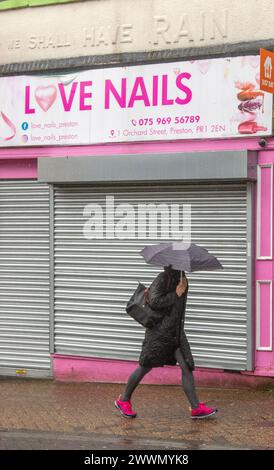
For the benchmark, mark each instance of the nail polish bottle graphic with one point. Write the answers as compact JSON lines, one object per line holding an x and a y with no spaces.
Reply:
{"x":250,"y":127}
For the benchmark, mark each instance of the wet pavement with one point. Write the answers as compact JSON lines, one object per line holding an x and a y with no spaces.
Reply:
{"x":44,"y":414}
{"x":30,"y":440}
{"x":33,"y":440}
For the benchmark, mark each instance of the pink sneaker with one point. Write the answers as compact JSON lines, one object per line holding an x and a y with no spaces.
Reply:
{"x":125,"y":408}
{"x":203,"y":411}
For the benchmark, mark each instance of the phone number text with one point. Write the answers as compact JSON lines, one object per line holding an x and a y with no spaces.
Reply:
{"x":166,"y":120}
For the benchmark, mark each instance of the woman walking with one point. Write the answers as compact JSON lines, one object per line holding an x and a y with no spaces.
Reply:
{"x":166,"y":343}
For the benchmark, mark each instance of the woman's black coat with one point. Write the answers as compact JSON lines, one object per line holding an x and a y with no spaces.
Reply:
{"x":168,"y":334}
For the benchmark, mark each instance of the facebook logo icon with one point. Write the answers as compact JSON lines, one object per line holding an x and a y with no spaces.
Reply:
{"x":25,"y":126}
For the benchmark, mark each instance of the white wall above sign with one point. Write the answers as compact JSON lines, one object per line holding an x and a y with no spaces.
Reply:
{"x":125,"y":26}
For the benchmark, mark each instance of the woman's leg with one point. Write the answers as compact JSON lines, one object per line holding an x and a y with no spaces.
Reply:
{"x":187,"y":380}
{"x":133,"y":381}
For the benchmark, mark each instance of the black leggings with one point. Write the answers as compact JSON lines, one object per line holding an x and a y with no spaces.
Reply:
{"x":187,"y":381}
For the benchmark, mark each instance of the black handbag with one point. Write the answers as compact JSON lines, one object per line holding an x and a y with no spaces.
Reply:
{"x":139,"y":309}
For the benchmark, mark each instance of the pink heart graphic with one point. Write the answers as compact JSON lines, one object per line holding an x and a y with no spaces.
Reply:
{"x":45,"y":96}
{"x":254,"y":61}
{"x":203,"y":66}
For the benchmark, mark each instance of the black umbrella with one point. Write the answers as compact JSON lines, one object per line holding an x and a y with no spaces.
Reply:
{"x":181,"y":256}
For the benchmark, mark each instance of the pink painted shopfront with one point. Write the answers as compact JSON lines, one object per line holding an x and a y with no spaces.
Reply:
{"x":86,"y":161}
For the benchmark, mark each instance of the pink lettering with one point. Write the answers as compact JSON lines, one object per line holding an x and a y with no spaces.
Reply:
{"x":165,"y":100}
{"x":184,"y":88}
{"x":121,"y":99}
{"x":84,"y":95}
{"x":139,"y":82}
{"x":67,"y":103}
{"x":155,"y":91}
{"x":28,"y":109}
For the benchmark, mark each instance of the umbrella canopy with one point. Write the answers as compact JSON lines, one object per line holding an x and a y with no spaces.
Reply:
{"x":181,"y":256}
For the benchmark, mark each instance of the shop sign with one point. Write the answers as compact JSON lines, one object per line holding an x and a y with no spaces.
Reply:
{"x":267,"y":70}
{"x":199,"y":99}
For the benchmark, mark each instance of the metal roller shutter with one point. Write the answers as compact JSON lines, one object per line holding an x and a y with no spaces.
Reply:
{"x":24,"y":278}
{"x":94,"y":278}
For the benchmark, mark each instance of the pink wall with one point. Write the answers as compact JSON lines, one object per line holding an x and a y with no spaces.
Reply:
{"x":264,"y":311}
{"x":264,"y":271}
{"x":131,"y":148}
{"x":22,"y":163}
{"x":16,"y":168}
{"x":82,"y":369}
